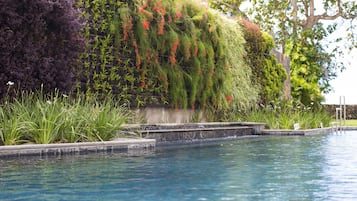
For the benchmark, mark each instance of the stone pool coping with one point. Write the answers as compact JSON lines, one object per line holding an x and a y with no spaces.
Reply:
{"x":315,"y":131}
{"x":350,"y":128}
{"x":126,"y":145}
{"x":44,"y":150}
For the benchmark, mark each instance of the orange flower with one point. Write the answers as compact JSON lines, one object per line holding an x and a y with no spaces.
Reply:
{"x":159,"y":8}
{"x":196,"y":49}
{"x":174,"y":45}
{"x":146,"y":24}
{"x":142,"y":84}
{"x":145,"y":12}
{"x":138,"y":60}
{"x":178,"y":13}
{"x":161,"y":26}
{"x":229,"y":98}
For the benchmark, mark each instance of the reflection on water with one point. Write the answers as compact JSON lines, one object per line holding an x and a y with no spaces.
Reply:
{"x":340,"y":168}
{"x":271,"y":168}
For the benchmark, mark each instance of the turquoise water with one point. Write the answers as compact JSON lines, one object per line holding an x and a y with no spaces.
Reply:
{"x":269,"y":168}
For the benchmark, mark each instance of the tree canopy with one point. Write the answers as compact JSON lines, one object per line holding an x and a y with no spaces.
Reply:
{"x":299,"y":31}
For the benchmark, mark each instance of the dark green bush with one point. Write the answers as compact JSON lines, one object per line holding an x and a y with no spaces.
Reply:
{"x":38,"y":41}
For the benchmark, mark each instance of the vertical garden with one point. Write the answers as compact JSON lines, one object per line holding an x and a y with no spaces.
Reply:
{"x":61,"y":61}
{"x":169,"y":53}
{"x":176,"y":54}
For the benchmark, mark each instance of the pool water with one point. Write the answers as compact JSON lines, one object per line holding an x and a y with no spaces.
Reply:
{"x":322,"y":167}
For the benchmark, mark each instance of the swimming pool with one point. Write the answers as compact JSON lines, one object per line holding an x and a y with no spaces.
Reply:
{"x":322,"y":167}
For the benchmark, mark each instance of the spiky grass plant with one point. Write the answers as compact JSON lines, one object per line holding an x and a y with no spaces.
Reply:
{"x":284,"y":117}
{"x":42,"y":119}
{"x":101,"y":121}
{"x":10,"y":128}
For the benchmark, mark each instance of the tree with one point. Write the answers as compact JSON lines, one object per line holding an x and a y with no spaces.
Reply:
{"x":298,"y":29}
{"x":290,"y":18}
{"x":231,"y":7}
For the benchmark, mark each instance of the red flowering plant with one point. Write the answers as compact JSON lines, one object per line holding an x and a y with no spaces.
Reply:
{"x":175,"y":45}
{"x":229,"y":98}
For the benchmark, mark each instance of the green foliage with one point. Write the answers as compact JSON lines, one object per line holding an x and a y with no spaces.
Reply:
{"x":274,"y":73}
{"x":351,"y":122}
{"x":285,"y":115}
{"x":243,"y":91}
{"x":230,"y":7}
{"x":10,"y":127}
{"x":42,"y":119}
{"x":265,"y":69}
{"x":298,"y":28}
{"x":306,"y":72}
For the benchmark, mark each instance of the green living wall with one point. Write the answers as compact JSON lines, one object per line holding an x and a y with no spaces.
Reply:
{"x":164,"y":52}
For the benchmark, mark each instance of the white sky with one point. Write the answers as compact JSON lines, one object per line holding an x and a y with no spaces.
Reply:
{"x":346,"y":82}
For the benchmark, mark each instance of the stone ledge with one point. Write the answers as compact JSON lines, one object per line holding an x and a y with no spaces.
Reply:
{"x":185,"y":135}
{"x":118,"y":145}
{"x":349,"y":128}
{"x":299,"y":132}
{"x":257,"y":127}
{"x":172,"y":131}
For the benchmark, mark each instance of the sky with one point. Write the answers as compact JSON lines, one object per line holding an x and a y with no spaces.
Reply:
{"x":345,"y":85}
{"x":346,"y":82}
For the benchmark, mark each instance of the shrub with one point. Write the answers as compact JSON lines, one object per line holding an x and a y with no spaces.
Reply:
{"x":286,"y":114}
{"x":269,"y":74}
{"x":38,"y":41}
{"x":35,"y":117}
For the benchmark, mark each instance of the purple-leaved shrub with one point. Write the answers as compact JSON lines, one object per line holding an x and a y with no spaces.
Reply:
{"x":39,"y":43}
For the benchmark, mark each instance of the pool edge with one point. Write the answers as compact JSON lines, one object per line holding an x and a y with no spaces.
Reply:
{"x":123,"y":145}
